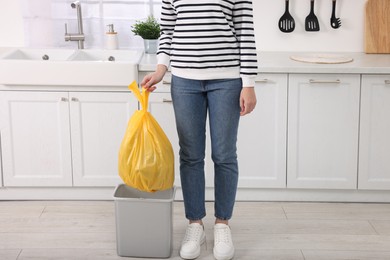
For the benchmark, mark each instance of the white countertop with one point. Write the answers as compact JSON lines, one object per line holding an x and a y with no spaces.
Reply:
{"x":280,"y":62}
{"x":4,"y":50}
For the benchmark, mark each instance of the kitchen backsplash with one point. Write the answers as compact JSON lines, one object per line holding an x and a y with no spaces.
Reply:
{"x":349,"y":37}
{"x":44,"y":21}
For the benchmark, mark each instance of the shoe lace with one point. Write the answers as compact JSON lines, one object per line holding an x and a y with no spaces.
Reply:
{"x":192,"y":234}
{"x":222,"y":235}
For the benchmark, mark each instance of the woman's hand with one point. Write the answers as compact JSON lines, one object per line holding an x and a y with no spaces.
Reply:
{"x":247,"y":100}
{"x":150,"y":80}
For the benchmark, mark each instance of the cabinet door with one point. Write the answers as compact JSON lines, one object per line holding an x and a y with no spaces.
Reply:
{"x":160,"y":106}
{"x":261,"y":147}
{"x":323,"y":125}
{"x":374,"y":163}
{"x":1,"y":156}
{"x":35,"y":138}
{"x":98,"y":124}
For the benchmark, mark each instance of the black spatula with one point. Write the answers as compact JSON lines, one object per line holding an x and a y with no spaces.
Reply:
{"x":287,"y":22}
{"x":311,"y":22}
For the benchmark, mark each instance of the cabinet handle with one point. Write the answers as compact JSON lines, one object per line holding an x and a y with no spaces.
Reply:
{"x":63,"y":99}
{"x":74,"y":99}
{"x":337,"y":81}
{"x":262,"y":80}
{"x":387,"y":82}
{"x":166,"y":82}
{"x":167,"y":100}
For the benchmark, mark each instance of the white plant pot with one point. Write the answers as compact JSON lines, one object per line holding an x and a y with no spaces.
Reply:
{"x":150,"y":46}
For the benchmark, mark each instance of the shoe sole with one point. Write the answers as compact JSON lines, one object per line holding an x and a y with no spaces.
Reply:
{"x":197,"y":254}
{"x":223,"y":257}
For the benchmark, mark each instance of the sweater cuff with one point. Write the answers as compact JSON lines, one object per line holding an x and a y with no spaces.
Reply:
{"x":163,"y":59}
{"x":248,"y":81}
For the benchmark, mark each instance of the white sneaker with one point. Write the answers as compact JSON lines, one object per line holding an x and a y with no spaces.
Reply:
{"x":193,"y":239}
{"x":223,"y":244}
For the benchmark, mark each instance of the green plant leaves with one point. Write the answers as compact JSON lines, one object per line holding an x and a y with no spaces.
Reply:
{"x":148,"y":30}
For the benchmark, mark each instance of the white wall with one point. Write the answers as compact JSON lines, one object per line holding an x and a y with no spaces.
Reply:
{"x":349,"y":37}
{"x":11,"y":24}
{"x":267,"y":13}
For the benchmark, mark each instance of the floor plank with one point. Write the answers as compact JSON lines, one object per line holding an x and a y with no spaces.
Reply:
{"x":9,"y":254}
{"x":80,"y":211}
{"x":51,"y":230}
{"x":57,"y":240}
{"x":18,"y":211}
{"x":341,"y":211}
{"x":307,"y":226}
{"x":345,"y":255}
{"x":314,"y":241}
{"x":382,"y":227}
{"x":99,"y":254}
{"x":57,"y":225}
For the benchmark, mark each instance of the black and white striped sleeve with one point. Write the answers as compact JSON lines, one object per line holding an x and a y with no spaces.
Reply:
{"x":243,"y":25}
{"x":167,"y":26}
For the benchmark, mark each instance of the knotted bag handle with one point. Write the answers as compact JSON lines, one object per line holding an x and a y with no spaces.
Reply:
{"x":143,"y":97}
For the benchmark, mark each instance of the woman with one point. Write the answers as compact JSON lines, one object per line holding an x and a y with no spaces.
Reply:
{"x":210,"y":47}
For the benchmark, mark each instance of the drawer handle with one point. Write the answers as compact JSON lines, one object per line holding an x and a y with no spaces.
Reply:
{"x":337,"y":81}
{"x":63,"y":99}
{"x":262,"y":80}
{"x":166,"y":82}
{"x":387,"y":82}
{"x":74,"y":99}
{"x":167,"y":100}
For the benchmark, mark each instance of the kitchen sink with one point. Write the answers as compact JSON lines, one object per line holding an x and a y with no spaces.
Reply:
{"x":107,"y":55}
{"x":39,"y":54}
{"x":63,"y":67}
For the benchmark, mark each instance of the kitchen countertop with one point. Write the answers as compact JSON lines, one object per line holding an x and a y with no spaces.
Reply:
{"x":280,"y":62}
{"x":4,"y":50}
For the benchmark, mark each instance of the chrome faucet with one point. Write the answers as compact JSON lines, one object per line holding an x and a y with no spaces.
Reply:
{"x":80,"y":37}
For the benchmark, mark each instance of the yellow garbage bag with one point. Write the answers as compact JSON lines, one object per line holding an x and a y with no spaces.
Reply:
{"x":146,"y":159}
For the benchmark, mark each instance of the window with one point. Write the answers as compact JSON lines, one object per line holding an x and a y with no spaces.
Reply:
{"x":44,"y":21}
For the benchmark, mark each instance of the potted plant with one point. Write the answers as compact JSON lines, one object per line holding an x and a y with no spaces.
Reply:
{"x":149,"y":30}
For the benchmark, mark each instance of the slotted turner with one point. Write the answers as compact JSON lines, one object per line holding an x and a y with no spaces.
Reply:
{"x":311,"y":22}
{"x":287,"y":22}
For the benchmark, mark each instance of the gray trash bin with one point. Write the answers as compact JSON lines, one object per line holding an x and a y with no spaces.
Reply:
{"x":143,"y":222}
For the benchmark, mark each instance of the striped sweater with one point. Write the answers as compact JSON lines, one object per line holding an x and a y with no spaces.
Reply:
{"x":208,"y":39}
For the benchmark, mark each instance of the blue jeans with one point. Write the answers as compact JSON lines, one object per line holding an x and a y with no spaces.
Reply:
{"x":191,"y":101}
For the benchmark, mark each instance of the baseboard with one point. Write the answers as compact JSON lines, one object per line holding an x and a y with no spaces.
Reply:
{"x":243,"y":194}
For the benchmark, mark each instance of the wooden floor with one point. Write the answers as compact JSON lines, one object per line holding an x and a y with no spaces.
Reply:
{"x":271,"y":231}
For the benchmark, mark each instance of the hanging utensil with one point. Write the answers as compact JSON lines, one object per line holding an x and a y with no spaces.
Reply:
{"x":334,"y":22}
{"x":311,"y":22}
{"x":287,"y":22}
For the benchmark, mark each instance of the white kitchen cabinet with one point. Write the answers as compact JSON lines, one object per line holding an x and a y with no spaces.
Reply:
{"x":1,"y":165}
{"x":374,"y":163}
{"x":35,"y":138}
{"x":262,"y":134}
{"x":261,"y":147}
{"x":98,"y":124}
{"x":323,"y":126}
{"x":63,"y":138}
{"x":1,"y":156}
{"x":161,"y":108}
